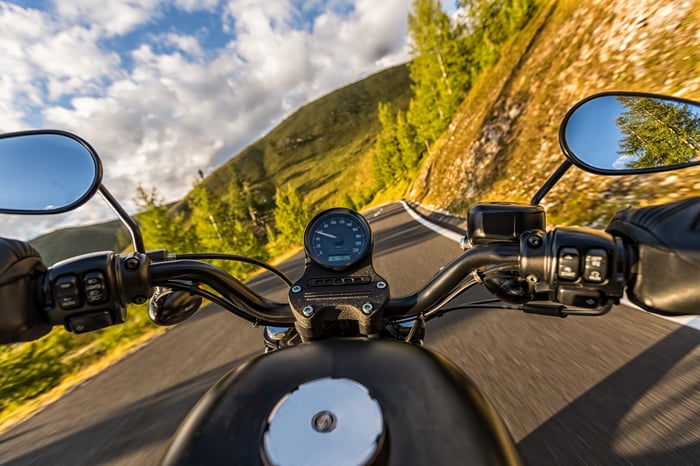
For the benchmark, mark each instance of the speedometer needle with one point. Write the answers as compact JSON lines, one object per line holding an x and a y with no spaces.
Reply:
{"x":326,"y":234}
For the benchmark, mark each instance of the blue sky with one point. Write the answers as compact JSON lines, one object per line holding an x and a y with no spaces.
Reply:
{"x":163,"y":89}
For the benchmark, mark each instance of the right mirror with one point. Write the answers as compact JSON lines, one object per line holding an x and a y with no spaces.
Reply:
{"x":623,"y":133}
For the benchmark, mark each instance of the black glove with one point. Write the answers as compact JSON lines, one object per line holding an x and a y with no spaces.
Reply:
{"x":21,"y":271}
{"x":666,"y":276}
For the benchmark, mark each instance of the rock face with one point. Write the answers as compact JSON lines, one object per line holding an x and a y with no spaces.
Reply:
{"x":503,"y":142}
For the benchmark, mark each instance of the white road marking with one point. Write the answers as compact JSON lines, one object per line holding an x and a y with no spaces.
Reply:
{"x":689,"y":321}
{"x":430,"y":225}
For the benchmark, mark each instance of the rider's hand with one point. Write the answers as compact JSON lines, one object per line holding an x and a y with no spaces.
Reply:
{"x":666,"y":276}
{"x":21,"y":271}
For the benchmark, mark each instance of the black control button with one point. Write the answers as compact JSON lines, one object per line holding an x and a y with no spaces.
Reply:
{"x":89,"y":322}
{"x":67,"y":292}
{"x":588,"y":299}
{"x":595,"y":266}
{"x":569,"y":264}
{"x":95,"y":288}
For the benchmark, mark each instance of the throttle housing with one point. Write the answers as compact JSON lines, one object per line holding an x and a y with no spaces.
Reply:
{"x":584,"y":268}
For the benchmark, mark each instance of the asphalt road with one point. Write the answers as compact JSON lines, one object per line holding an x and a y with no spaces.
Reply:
{"x":618,"y":389}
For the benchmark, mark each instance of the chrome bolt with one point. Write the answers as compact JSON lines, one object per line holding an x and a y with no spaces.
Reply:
{"x":324,"y":422}
{"x":534,"y":241}
{"x":381,"y":285}
{"x":308,"y":311}
{"x":296,"y":289}
{"x":367,"y":308}
{"x":532,"y":278}
{"x":132,"y":263}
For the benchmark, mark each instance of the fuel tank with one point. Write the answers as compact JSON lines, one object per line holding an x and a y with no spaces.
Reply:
{"x":343,"y":401}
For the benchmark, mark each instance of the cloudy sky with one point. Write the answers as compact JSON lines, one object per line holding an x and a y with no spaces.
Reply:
{"x":165,"y":88}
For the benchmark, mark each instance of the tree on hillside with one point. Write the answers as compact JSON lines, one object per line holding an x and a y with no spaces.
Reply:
{"x":220,"y":231}
{"x":657,"y":133}
{"x":447,"y":58}
{"x":291,"y":215}
{"x":241,"y":200}
{"x":437,"y":70}
{"x":387,"y":155}
{"x":161,"y":228}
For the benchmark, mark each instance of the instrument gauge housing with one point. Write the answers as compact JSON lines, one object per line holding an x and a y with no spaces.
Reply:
{"x":337,"y":239}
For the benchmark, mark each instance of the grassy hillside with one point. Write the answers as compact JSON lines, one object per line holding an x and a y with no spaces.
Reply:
{"x":323,"y":149}
{"x":503,"y":141}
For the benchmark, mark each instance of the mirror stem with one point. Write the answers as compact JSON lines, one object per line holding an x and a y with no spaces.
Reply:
{"x":129,"y":223}
{"x":551,"y":181}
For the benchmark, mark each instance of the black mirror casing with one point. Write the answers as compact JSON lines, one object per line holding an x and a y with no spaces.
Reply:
{"x":623,"y":133}
{"x":46,"y":172}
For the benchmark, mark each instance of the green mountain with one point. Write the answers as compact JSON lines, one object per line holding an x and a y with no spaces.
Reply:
{"x":67,"y":242}
{"x":323,"y":150}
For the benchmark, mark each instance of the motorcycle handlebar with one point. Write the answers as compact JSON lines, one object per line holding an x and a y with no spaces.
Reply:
{"x":452,"y":275}
{"x":251,"y":305}
{"x":131,"y":278}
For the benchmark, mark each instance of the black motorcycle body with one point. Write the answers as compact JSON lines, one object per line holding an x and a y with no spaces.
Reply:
{"x":419,"y":392}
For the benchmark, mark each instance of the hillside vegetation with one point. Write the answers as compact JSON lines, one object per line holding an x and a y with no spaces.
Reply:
{"x":503,"y":140}
{"x":322,"y":150}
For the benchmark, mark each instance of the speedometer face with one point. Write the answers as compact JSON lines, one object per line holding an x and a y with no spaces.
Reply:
{"x":337,"y":238}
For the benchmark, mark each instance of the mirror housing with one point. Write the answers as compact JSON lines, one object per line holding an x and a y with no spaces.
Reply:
{"x":46,"y":172}
{"x":622,"y":133}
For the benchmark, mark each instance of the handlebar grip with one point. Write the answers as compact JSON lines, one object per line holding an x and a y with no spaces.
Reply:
{"x":666,"y":268}
{"x":21,"y":316}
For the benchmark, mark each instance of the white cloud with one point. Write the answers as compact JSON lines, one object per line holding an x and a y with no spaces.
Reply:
{"x":109,"y":18}
{"x":187,"y":44}
{"x":195,"y":5}
{"x":171,"y":114}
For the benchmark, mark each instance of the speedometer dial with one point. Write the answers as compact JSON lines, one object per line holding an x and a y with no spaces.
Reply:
{"x":337,"y":238}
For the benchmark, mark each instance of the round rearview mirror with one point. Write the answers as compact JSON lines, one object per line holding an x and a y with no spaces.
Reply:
{"x":46,"y":172}
{"x":622,"y":133}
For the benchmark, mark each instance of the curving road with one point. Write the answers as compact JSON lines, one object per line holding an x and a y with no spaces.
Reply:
{"x":618,"y":389}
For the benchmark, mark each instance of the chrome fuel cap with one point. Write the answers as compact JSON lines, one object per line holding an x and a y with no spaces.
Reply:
{"x":325,"y":421}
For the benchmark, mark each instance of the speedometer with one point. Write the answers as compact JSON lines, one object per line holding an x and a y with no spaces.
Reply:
{"x":337,"y":238}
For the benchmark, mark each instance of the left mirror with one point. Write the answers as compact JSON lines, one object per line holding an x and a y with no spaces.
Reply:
{"x":46,"y":171}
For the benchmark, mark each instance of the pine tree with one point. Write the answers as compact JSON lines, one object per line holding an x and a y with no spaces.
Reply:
{"x":161,"y":228}
{"x":291,"y":215}
{"x":409,"y":147}
{"x":387,"y":155}
{"x":657,"y":133}
{"x":434,"y":52}
{"x":219,"y":230}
